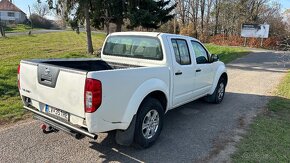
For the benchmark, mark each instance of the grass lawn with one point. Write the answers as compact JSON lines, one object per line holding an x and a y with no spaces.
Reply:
{"x":227,"y":53}
{"x":19,"y":28}
{"x":53,"y":45}
{"x":268,"y":139}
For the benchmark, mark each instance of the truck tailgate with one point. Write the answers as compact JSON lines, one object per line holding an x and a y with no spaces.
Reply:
{"x":53,"y":86}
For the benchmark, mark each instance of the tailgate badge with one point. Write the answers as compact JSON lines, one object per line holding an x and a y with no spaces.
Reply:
{"x":46,"y":71}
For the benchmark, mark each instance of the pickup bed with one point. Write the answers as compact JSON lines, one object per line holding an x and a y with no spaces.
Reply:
{"x":139,"y":77}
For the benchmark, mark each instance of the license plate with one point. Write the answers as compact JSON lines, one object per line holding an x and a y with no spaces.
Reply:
{"x":57,"y":112}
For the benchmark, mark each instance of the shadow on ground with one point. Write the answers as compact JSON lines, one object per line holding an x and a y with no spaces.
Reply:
{"x":190,"y":131}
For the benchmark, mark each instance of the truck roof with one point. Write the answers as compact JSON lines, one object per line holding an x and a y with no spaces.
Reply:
{"x":152,"y":34}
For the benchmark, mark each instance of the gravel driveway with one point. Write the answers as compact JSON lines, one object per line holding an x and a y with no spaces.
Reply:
{"x":195,"y":132}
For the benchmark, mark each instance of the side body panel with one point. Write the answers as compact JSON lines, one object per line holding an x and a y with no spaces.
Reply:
{"x":122,"y":92}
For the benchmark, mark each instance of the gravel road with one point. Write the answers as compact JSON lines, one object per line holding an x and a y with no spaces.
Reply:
{"x":195,"y":132}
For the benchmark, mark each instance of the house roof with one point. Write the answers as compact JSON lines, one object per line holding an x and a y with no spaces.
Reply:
{"x":6,"y":5}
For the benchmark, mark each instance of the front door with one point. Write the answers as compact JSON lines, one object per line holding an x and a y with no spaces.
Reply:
{"x":204,"y":69}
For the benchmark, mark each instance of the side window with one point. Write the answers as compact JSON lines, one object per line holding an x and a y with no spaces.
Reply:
{"x":181,"y":51}
{"x":200,"y":53}
{"x":11,"y":14}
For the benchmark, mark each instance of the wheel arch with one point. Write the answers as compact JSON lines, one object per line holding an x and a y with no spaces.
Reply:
{"x":158,"y":95}
{"x":221,"y":72}
{"x":154,"y":88}
{"x":225,"y":76}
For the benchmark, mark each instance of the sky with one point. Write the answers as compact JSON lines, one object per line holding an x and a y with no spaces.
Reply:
{"x":23,"y":4}
{"x":285,"y":4}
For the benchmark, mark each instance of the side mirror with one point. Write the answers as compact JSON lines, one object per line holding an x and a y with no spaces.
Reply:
{"x":214,"y":58}
{"x":98,"y":52}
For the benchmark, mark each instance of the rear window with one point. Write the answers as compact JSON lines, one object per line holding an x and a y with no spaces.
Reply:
{"x":134,"y":47}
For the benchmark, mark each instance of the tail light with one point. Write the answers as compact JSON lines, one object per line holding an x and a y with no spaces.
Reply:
{"x":92,"y":95}
{"x":18,"y":76}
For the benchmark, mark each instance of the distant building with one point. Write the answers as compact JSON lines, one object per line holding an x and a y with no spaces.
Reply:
{"x":9,"y":13}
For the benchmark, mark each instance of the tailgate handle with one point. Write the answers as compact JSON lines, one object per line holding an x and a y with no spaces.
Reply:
{"x":45,"y":78}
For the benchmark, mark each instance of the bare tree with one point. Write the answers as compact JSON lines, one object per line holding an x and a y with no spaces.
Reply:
{"x":201,"y":18}
{"x":41,"y":9}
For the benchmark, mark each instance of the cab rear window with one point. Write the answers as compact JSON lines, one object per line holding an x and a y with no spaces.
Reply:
{"x":134,"y":47}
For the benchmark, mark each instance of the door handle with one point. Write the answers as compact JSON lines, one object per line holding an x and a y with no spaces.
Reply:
{"x":198,"y":70}
{"x":178,"y":73}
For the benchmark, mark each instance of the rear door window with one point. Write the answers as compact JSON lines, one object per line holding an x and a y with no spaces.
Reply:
{"x":181,"y":51}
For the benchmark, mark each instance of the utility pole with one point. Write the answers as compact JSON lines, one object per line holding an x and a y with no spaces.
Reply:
{"x":29,"y":33}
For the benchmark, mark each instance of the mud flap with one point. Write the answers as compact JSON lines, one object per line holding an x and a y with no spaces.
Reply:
{"x":126,"y":137}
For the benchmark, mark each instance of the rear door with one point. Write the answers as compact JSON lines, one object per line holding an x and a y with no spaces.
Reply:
{"x":51,"y":86}
{"x":204,"y":68}
{"x":183,"y":71}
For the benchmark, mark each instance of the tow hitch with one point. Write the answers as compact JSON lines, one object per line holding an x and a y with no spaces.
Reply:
{"x":46,"y":129}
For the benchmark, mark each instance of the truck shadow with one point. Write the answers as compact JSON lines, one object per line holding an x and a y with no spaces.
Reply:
{"x":191,"y":132}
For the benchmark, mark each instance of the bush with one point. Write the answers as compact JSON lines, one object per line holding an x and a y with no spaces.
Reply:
{"x":41,"y":22}
{"x":236,"y":40}
{"x":188,"y":30}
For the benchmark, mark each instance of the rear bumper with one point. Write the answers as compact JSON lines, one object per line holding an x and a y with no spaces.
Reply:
{"x":60,"y":124}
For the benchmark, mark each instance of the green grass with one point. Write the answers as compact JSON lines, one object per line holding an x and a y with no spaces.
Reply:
{"x":13,"y":49}
{"x":18,"y":28}
{"x":227,"y":53}
{"x":268,"y":139}
{"x":53,"y":45}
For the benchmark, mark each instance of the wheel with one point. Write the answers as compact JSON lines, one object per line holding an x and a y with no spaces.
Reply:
{"x":219,"y":93}
{"x":149,"y":122}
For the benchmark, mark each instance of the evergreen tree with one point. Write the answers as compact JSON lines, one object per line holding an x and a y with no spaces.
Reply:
{"x":99,"y":13}
{"x":149,"y":13}
{"x":108,"y":11}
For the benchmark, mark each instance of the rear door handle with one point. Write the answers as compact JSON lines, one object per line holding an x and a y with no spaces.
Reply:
{"x":178,"y":73}
{"x":198,"y":70}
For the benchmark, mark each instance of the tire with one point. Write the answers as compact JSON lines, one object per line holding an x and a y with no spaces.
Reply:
{"x":219,"y":93}
{"x":150,"y":118}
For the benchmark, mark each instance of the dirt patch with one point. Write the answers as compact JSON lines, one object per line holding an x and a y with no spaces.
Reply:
{"x":224,"y":145}
{"x":26,"y":118}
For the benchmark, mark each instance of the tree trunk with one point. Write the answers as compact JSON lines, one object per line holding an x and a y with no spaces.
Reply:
{"x":209,"y":4}
{"x":88,"y":29}
{"x":195,"y":19}
{"x":119,"y":25}
{"x":107,"y":24}
{"x":2,"y":31}
{"x":181,"y":10}
{"x":202,"y":8}
{"x":217,"y":8}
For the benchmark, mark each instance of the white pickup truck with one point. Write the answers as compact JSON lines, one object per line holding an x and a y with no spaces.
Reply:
{"x":140,"y":76}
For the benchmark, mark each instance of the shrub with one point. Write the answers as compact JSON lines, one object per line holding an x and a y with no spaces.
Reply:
{"x":236,"y":40}
{"x":41,"y":22}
